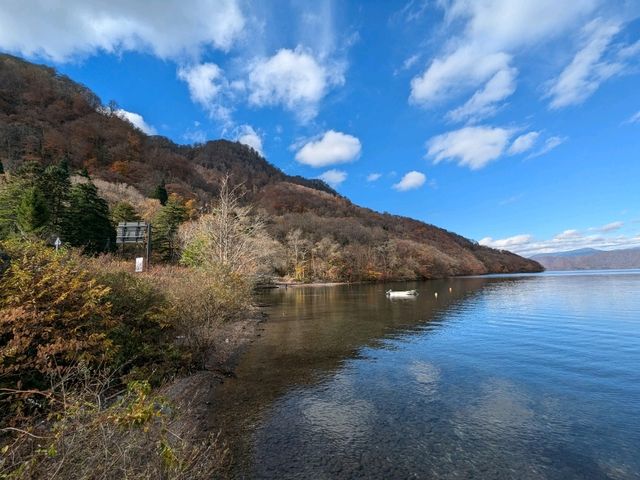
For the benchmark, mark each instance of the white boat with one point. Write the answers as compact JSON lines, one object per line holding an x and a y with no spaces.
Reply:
{"x":401,"y":293}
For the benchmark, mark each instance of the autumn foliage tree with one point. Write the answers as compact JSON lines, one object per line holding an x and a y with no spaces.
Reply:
{"x":232,"y":237}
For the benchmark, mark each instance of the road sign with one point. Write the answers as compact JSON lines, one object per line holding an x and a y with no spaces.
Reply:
{"x":57,"y":243}
{"x":131,"y":232}
{"x":139,"y":264}
{"x":135,"y":233}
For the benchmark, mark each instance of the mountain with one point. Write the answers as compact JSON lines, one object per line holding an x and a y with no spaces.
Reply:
{"x":590,"y":259}
{"x":577,"y":253}
{"x":46,"y":117}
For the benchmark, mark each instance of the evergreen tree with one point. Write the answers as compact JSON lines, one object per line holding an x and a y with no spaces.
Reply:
{"x":16,"y":192}
{"x":32,"y":214}
{"x":10,"y":197}
{"x":86,"y":221}
{"x":124,"y":212}
{"x":161,"y":193}
{"x":56,"y":184}
{"x":165,"y":228}
{"x":31,"y":172}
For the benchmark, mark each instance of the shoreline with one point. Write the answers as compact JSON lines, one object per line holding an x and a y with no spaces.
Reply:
{"x":282,"y":284}
{"x":193,"y":394}
{"x":313,"y":284}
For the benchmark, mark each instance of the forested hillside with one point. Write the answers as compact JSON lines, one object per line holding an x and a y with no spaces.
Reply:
{"x":312,"y":233}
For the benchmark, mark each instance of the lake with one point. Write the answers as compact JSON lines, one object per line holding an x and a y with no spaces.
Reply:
{"x":523,"y":376}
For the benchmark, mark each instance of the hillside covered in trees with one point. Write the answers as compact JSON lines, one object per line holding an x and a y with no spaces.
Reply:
{"x":309,"y":231}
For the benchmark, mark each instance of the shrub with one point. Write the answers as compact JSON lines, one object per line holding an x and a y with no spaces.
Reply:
{"x":52,"y":314}
{"x":201,"y":301}
{"x":58,"y":309}
{"x":142,"y":330}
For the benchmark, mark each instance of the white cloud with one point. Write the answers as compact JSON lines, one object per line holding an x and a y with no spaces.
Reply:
{"x":473,"y":147}
{"x":294,"y":79}
{"x":549,"y":144}
{"x":410,"y":61}
{"x":137,"y":121}
{"x":567,"y":240}
{"x":61,"y":31}
{"x":330,"y":149}
{"x":506,"y":243}
{"x":481,"y":56}
{"x":413,"y":10}
{"x":248,"y":136}
{"x":407,"y":64}
{"x":462,"y":69}
{"x":508,"y":24}
{"x":195,"y":135}
{"x":588,"y":69}
{"x":410,"y":181}
{"x":511,"y":199}
{"x":610,"y":227}
{"x":523,"y":143}
{"x":203,"y":81}
{"x":206,"y":83}
{"x":333,"y":177}
{"x":635,"y":118}
{"x":372,"y":177}
{"x":629,"y":51}
{"x":484,"y":102}
{"x":568,"y":234}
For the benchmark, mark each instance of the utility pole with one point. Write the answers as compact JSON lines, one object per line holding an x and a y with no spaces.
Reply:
{"x":148,"y":249}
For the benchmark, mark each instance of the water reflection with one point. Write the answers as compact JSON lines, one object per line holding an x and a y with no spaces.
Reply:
{"x":497,"y":378}
{"x":311,"y":333}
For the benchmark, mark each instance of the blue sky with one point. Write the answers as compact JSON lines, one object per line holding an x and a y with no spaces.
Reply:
{"x":515,"y":123}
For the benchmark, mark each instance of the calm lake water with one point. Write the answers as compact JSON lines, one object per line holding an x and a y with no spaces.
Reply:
{"x":532,"y":376}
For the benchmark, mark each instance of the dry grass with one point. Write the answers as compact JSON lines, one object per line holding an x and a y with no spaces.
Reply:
{"x":201,"y":301}
{"x":113,"y":193}
{"x":132,"y":437}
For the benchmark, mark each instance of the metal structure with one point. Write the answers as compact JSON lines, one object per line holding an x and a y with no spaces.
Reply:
{"x":135,"y":233}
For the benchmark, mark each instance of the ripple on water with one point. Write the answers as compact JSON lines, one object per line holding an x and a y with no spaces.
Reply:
{"x":526,"y":377}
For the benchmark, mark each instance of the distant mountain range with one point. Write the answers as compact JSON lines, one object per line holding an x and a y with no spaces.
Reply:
{"x":590,"y":259}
